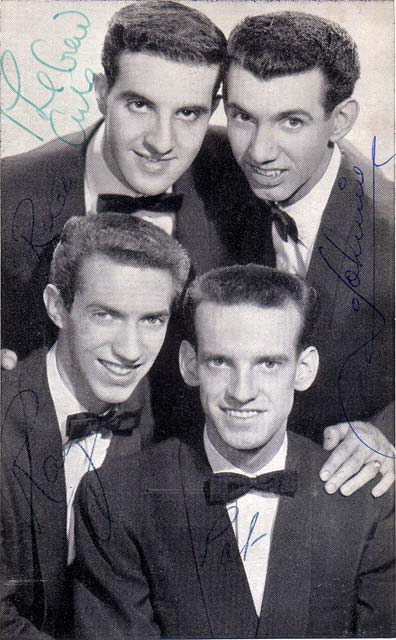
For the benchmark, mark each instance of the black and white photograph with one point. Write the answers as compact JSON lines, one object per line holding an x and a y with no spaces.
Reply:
{"x":197,"y":313}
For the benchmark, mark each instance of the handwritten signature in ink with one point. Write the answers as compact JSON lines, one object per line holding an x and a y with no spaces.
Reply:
{"x":46,"y":110}
{"x":220,"y":528}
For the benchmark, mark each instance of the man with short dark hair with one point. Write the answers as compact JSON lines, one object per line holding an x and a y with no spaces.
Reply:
{"x":317,"y":207}
{"x":236,"y":537}
{"x":112,"y":284}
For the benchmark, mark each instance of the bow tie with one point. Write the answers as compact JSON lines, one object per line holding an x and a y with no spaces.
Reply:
{"x":226,"y":487}
{"x":163,"y":203}
{"x":80,"y":425}
{"x":285,"y":225}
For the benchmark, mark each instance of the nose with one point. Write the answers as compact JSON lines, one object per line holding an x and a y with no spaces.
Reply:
{"x":242,"y":388}
{"x":263,"y":145}
{"x":126,"y":344}
{"x":159,"y":139}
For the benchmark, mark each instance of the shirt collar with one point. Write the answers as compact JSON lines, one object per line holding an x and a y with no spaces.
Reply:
{"x":64,"y":401}
{"x":98,"y":177}
{"x":308,"y":211}
{"x":219,"y":464}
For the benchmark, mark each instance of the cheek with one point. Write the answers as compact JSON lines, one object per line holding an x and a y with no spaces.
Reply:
{"x":190,"y":139}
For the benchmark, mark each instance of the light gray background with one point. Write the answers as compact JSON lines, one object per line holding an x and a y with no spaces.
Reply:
{"x":371,"y":23}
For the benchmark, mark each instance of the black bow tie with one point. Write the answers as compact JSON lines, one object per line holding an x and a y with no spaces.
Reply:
{"x":163,"y":203}
{"x":226,"y":487}
{"x":285,"y":225}
{"x":80,"y":425}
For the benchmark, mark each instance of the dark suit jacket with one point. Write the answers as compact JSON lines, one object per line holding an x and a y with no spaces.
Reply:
{"x":352,"y":268}
{"x":154,"y":559}
{"x":33,"y":503}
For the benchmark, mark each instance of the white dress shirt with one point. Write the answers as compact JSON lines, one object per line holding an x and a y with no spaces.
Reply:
{"x":307,"y":214}
{"x":252,"y":517}
{"x":99,"y":179}
{"x":80,"y":455}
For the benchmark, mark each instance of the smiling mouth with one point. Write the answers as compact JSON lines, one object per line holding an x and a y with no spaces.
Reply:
{"x":267,"y":173}
{"x":151,"y":159}
{"x":242,"y":414}
{"x":119,"y":369}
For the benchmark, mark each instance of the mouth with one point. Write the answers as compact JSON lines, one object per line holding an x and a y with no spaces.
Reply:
{"x":151,"y":160}
{"x":119,"y":370}
{"x":267,"y":176}
{"x":245,"y":414}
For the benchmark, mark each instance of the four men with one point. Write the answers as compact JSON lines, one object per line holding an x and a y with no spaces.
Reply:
{"x":301,"y":203}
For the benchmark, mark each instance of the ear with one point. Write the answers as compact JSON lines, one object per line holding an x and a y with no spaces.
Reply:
{"x":344,"y":115}
{"x":101,"y":92}
{"x":307,"y":368}
{"x":188,"y":364}
{"x":55,"y":306}
{"x":215,"y":103}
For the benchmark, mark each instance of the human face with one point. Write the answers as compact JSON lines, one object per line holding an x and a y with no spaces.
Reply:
{"x":114,"y":330}
{"x":156,"y":117}
{"x":279,"y":131}
{"x":247,"y":366}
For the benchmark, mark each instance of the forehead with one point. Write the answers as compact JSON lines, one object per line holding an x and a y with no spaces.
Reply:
{"x":303,"y":91}
{"x":128,"y":288}
{"x":162,"y":80}
{"x":244,"y":330}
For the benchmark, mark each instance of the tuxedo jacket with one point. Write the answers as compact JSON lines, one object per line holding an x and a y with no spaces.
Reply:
{"x":352,"y":268}
{"x":43,"y":188}
{"x":34,"y":581}
{"x":155,"y":560}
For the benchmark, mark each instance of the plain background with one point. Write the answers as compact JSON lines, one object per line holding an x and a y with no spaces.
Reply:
{"x":371,"y":24}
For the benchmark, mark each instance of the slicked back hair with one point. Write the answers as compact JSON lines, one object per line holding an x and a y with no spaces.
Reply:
{"x":254,"y":285}
{"x":163,"y":28}
{"x":122,"y":238}
{"x":292,"y":42}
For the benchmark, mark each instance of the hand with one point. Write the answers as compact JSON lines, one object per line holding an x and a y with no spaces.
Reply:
{"x":8,"y":359}
{"x":352,"y":464}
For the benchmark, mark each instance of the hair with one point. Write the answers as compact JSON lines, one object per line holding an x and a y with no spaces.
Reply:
{"x":122,"y":238}
{"x":291,"y":42}
{"x":255,"y":285}
{"x":164,"y":28}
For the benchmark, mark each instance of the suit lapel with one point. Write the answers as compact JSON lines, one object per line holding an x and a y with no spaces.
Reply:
{"x":223,"y":580}
{"x":329,"y":253}
{"x":285,"y":606}
{"x":256,"y":242}
{"x":39,"y":469}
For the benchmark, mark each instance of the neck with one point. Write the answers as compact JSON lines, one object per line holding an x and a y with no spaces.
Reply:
{"x":312,"y":181}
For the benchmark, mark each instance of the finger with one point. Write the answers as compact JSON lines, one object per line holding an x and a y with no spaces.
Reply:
{"x":385,"y":483}
{"x":8,"y":359}
{"x":345,"y":451}
{"x":333,"y":435}
{"x":345,"y":472}
{"x":366,"y":474}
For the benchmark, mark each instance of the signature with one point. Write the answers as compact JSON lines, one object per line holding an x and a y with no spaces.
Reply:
{"x":50,"y":86}
{"x":351,"y":276}
{"x":219,"y":529}
{"x":38,"y":484}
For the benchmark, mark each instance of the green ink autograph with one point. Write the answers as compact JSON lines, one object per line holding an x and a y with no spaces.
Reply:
{"x":47,"y":111}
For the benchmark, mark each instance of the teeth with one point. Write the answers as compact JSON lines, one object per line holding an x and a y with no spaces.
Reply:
{"x":269,"y":173}
{"x":241,"y":414}
{"x":118,"y":369}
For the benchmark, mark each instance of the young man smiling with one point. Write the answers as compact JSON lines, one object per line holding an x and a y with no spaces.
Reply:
{"x":236,"y":537}
{"x":112,"y":284}
{"x":320,"y":209}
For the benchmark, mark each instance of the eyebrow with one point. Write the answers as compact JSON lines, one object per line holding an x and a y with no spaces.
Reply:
{"x":283,"y":114}
{"x":130,"y":95}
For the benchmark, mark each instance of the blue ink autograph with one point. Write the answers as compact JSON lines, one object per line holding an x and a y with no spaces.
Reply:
{"x":351,"y":277}
{"x":219,"y":529}
{"x":46,"y":111}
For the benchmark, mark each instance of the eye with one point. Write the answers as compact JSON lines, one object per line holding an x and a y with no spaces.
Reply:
{"x":239,"y":116}
{"x":155,"y":321}
{"x":189,"y":114}
{"x":217,"y":362}
{"x":269,"y":364}
{"x":104,"y":316}
{"x":294,"y":123}
{"x":138,"y":106}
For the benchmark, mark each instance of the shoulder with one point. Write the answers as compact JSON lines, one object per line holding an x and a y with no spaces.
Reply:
{"x":21,"y":387}
{"x":54,"y":152}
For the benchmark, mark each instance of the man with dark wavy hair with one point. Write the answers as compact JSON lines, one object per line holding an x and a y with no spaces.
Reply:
{"x":113,"y":281}
{"x":318,"y":208}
